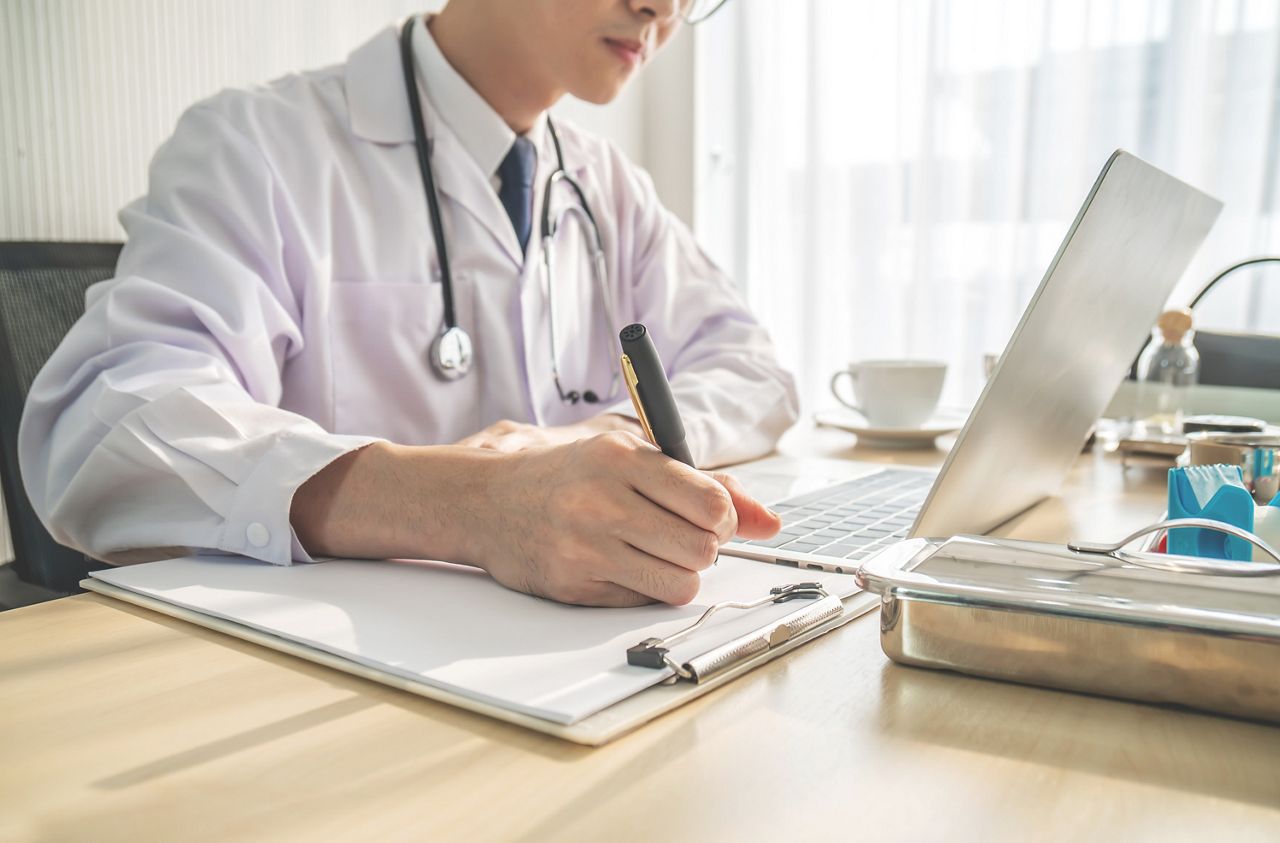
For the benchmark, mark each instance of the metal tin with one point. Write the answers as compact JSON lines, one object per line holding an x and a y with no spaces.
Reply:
{"x":1044,"y":615}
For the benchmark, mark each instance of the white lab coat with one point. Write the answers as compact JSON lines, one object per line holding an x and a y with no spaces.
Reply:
{"x":278,"y":293}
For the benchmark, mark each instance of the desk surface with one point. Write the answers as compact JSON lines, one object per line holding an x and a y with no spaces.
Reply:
{"x":115,"y":721}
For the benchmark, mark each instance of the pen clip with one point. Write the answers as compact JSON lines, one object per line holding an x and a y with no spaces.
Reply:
{"x":629,"y":375}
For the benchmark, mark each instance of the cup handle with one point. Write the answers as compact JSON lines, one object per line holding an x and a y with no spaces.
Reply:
{"x":835,"y":379}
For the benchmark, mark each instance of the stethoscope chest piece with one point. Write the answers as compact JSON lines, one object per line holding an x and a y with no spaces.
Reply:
{"x":451,"y":353}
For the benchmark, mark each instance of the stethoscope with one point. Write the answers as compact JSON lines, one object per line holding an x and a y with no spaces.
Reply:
{"x":451,"y":354}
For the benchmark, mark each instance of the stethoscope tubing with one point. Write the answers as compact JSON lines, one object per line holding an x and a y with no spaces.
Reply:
{"x":451,"y":352}
{"x":423,"y":147}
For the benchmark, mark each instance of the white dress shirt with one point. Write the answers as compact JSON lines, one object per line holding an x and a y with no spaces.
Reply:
{"x":481,"y":130}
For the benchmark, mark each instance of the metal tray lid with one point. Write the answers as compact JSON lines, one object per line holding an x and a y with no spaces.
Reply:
{"x":976,"y":571}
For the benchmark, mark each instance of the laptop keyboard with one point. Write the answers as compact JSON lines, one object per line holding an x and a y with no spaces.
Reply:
{"x":851,"y":520}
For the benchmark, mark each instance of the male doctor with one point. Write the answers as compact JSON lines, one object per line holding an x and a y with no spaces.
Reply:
{"x":259,"y":377}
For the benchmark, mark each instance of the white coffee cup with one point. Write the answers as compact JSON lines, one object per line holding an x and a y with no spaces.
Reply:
{"x":893,"y":393}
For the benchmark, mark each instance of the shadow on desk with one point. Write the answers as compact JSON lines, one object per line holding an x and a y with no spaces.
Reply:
{"x":365,"y":695}
{"x":1154,"y":745}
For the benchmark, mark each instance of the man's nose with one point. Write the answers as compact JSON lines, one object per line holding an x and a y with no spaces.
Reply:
{"x":659,"y":10}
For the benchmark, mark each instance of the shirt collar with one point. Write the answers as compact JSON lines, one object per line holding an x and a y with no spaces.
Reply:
{"x":480,"y":129}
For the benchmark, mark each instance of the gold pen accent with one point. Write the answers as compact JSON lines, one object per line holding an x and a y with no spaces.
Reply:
{"x":629,"y":375}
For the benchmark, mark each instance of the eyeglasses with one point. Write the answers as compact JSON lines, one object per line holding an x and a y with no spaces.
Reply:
{"x":696,"y":11}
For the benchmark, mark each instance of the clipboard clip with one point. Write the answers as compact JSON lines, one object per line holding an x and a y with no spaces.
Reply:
{"x":655,"y":653}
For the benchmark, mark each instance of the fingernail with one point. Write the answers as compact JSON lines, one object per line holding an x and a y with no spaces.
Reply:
{"x":774,"y":514}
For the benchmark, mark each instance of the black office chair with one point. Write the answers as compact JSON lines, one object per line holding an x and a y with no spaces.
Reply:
{"x":41,"y":295}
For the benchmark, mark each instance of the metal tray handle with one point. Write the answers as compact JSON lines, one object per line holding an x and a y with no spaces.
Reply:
{"x":1184,"y":564}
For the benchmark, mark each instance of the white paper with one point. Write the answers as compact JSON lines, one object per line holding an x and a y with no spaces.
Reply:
{"x":455,"y":628}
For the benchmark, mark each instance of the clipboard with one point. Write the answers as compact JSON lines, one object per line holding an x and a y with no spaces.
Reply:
{"x":595,"y":729}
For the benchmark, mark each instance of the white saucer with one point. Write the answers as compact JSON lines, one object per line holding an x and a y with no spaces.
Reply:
{"x":944,"y":421}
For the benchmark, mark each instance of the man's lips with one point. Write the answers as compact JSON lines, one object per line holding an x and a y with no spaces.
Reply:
{"x":629,"y":51}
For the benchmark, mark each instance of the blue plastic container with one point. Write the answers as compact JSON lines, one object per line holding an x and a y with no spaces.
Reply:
{"x":1231,"y":504}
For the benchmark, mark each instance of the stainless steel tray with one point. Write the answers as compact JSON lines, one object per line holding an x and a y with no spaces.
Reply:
{"x":1046,"y":615}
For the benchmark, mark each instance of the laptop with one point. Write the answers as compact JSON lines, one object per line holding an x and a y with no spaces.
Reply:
{"x":1113,"y":273}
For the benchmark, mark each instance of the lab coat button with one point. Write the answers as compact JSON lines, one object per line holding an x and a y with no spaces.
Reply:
{"x":258,"y":534}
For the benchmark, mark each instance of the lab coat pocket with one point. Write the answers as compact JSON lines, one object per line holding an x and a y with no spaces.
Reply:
{"x":383,"y":381}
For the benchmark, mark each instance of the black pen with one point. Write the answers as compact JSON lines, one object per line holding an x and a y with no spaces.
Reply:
{"x":651,"y":394}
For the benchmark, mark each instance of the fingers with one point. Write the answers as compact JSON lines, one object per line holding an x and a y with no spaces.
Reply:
{"x":609,"y":573}
{"x":509,"y":444}
{"x":686,"y":492}
{"x":567,"y":583}
{"x":472,"y":441}
{"x":655,"y":578}
{"x":755,"y":520}
{"x":655,"y":585}
{"x":612,"y":596}
{"x":509,"y":437}
{"x":505,"y":436}
{"x":659,"y":533}
{"x":715,"y":503}
{"x":489,"y":436}
{"x":611,"y":521}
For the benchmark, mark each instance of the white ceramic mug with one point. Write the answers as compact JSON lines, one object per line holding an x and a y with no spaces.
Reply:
{"x":893,"y":393}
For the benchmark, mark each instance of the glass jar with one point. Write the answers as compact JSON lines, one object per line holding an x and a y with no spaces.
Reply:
{"x":1167,"y":369}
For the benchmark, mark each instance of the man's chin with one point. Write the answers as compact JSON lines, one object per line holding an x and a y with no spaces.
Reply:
{"x":602,"y":92}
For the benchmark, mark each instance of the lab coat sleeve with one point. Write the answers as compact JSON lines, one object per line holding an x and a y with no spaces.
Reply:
{"x":734,"y":397}
{"x":155,"y":425}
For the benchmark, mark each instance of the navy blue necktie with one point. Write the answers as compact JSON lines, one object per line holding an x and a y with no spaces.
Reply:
{"x":516,"y":191}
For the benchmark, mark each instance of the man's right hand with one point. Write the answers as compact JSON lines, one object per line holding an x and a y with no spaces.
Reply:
{"x":605,"y":521}
{"x":611,"y":521}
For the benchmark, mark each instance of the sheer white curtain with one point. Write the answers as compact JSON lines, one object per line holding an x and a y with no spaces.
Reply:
{"x":891,"y":179}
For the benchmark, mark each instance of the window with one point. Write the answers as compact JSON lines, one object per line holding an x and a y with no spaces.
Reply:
{"x":892,"y":179}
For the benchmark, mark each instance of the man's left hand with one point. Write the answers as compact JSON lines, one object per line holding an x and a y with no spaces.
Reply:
{"x":510,"y":436}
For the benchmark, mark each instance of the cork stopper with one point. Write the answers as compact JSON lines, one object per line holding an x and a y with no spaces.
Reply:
{"x":1173,"y":324}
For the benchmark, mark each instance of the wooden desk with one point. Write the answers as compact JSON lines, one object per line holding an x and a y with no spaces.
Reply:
{"x":120,"y":724}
